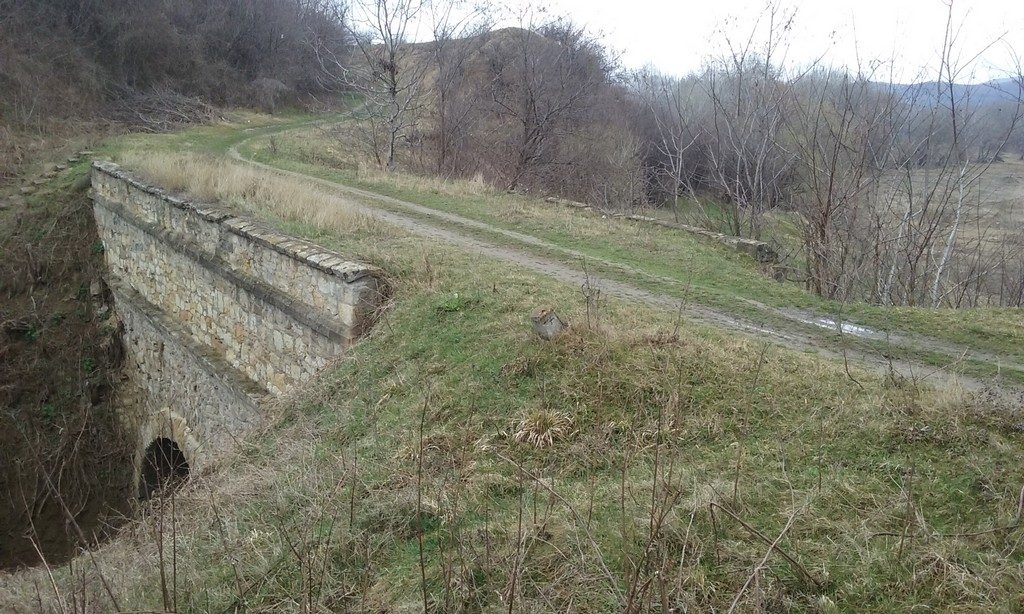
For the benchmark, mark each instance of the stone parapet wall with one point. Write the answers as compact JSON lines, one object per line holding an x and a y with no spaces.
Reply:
{"x":273,"y":307}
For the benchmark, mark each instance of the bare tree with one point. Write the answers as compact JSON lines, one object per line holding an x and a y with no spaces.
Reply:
{"x":964,"y":167}
{"x":836,"y":123}
{"x":748,"y":165}
{"x":672,"y":106}
{"x":884,"y":178}
{"x":888,"y":177}
{"x":459,"y":33}
{"x":543,"y":80}
{"x":386,"y":70}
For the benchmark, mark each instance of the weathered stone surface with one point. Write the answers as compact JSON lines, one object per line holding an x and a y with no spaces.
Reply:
{"x":217,"y":401}
{"x":546,"y":323}
{"x":263,"y":271}
{"x":219,"y":309}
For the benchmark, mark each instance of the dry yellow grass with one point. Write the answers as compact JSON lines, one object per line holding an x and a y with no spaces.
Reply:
{"x":222,"y":181}
{"x":447,"y":186}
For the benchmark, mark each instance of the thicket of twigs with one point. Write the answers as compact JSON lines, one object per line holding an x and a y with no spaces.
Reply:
{"x":65,"y":458}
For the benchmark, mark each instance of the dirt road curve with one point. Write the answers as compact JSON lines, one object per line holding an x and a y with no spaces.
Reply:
{"x":444,"y":226}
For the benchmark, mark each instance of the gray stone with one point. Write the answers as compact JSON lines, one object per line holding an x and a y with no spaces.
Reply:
{"x":546,"y":323}
{"x":238,"y":290}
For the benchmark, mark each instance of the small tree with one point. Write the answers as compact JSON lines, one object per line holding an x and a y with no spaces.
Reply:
{"x":386,"y":69}
{"x":748,"y":164}
{"x":672,"y":105}
{"x":542,"y":82}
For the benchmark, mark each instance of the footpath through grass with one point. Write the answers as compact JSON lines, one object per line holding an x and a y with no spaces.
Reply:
{"x":669,"y":262}
{"x":637,"y":462}
{"x":703,"y":272}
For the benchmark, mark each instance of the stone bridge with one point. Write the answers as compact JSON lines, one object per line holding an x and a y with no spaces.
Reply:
{"x":219,"y":314}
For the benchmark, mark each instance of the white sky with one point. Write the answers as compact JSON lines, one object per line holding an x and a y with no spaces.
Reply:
{"x":676,"y":36}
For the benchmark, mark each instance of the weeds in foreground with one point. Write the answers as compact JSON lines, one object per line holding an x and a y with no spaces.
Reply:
{"x":635,"y":507}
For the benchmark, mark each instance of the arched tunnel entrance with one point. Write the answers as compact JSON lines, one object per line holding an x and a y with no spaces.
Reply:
{"x":164,"y":466}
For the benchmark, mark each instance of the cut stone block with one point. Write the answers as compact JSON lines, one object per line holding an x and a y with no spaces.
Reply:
{"x":546,"y":323}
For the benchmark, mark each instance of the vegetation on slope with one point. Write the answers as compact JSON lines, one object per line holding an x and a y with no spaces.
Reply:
{"x":62,"y":449}
{"x":637,"y":462}
{"x":69,"y":67}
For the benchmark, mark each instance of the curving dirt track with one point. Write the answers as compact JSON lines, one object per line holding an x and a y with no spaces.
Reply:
{"x":791,"y":328}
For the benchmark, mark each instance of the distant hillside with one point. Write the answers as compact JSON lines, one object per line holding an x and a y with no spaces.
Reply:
{"x":150,"y":65}
{"x":996,"y":92}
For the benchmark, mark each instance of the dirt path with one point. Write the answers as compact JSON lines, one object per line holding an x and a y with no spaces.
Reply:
{"x":799,"y":333}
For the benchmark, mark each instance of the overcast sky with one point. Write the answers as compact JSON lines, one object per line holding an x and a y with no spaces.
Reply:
{"x":676,"y":36}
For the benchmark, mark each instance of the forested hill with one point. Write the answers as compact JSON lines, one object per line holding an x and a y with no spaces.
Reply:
{"x":999,"y":92}
{"x":152,"y":62}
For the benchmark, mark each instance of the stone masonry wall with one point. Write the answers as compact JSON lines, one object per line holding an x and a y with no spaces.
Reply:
{"x":274,"y":307}
{"x":173,"y":371}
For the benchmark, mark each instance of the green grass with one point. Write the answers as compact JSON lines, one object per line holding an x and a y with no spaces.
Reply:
{"x":898,"y":495}
{"x":695,"y":270}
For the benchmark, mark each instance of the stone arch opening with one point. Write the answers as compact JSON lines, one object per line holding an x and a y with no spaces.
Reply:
{"x":164,"y":466}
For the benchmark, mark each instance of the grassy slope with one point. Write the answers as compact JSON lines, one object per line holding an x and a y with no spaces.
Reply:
{"x":708,"y":273}
{"x":894,"y":493}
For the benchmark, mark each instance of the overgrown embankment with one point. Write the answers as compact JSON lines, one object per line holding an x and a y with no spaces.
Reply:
{"x":65,"y":463}
{"x":639,"y":462}
{"x":65,"y":66}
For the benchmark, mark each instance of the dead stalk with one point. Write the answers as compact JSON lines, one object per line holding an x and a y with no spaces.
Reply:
{"x":419,"y":505}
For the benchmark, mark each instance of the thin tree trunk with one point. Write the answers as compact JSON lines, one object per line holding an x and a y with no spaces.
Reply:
{"x":951,"y":241}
